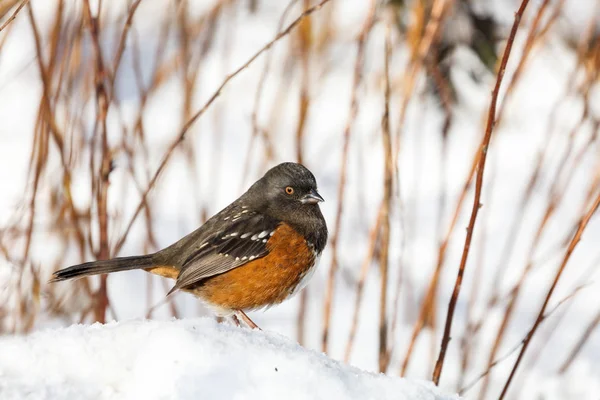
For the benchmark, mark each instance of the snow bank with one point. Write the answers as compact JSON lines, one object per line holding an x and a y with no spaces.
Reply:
{"x":183,"y":359}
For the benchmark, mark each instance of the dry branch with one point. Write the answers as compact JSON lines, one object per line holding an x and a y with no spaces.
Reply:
{"x":386,"y":211}
{"x":483,"y":149}
{"x":574,"y":241}
{"x":368,"y":260}
{"x":329,"y":291}
{"x":580,"y":343}
{"x":14,"y":14}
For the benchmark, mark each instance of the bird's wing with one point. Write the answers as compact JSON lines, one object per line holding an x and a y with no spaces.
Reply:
{"x":241,"y":239}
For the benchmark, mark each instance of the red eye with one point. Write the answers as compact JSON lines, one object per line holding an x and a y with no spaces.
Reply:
{"x":289,"y":190}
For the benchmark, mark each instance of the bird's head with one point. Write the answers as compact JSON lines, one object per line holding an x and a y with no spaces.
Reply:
{"x":288,"y":192}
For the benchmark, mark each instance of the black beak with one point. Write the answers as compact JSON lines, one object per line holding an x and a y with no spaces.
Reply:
{"x":312,"y":197}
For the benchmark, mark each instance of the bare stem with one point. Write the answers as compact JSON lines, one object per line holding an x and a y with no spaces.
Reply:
{"x":483,"y":149}
{"x":327,"y":306}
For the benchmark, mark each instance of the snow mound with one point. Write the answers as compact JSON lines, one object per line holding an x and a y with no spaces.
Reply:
{"x":183,"y":359}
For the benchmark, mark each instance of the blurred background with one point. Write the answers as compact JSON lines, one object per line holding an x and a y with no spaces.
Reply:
{"x":126,"y":124}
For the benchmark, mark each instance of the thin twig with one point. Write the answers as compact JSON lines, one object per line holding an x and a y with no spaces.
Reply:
{"x":14,"y":15}
{"x":483,"y":149}
{"x":510,"y":352}
{"x":557,"y":192}
{"x":531,"y":36}
{"x":386,"y":211}
{"x":327,"y":305}
{"x":368,"y":260}
{"x":579,"y":345}
{"x":102,"y":104}
{"x":574,"y":241}
{"x":122,"y":41}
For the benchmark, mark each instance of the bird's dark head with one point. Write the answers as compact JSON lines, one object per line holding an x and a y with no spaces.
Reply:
{"x":289,"y":186}
{"x":288,"y":192}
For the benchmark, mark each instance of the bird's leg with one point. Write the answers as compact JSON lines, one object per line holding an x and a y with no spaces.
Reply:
{"x":247,"y":320}
{"x":236,"y":320}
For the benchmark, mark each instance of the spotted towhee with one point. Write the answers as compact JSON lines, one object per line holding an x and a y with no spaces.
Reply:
{"x":258,"y":251}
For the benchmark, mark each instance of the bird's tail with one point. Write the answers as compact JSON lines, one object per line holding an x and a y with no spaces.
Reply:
{"x":103,"y":267}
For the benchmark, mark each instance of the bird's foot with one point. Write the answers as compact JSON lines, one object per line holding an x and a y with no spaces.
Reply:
{"x":251,"y":324}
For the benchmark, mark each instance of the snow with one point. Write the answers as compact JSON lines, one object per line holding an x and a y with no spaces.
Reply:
{"x":184,"y":359}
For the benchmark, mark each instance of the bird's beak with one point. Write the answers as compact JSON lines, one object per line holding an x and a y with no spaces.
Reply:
{"x":313,"y":197}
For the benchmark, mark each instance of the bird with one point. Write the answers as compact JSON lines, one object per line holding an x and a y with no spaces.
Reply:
{"x":255,"y":253}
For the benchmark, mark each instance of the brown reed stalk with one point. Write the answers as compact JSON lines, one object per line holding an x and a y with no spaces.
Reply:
{"x":39,"y":154}
{"x":589,"y":197}
{"x":428,"y":304}
{"x":6,"y":6}
{"x":421,"y":39}
{"x":557,"y":192}
{"x":469,"y":339}
{"x":38,"y":160}
{"x":354,"y":107}
{"x":556,"y":13}
{"x":445,"y":94}
{"x":367,"y":261}
{"x":514,"y":348}
{"x":572,"y":245}
{"x":580,"y":343}
{"x":542,"y":341}
{"x":14,"y":14}
{"x":535,"y":176}
{"x":122,"y":41}
{"x":425,"y":43}
{"x":595,"y":321}
{"x":48,"y":102}
{"x":102,"y":104}
{"x":483,"y":149}
{"x":386,"y":211}
{"x":532,"y":35}
{"x":427,"y":310}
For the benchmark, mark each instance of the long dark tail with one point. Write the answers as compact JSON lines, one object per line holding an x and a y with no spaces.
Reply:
{"x":103,"y":267}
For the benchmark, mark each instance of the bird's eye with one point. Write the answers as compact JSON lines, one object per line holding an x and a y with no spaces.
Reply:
{"x":289,"y":190}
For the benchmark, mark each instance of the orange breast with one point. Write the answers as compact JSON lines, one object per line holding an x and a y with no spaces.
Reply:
{"x":265,"y":281}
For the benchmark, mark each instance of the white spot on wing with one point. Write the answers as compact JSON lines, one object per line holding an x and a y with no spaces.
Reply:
{"x":245,"y":235}
{"x":255,"y":236}
{"x":263,"y":234}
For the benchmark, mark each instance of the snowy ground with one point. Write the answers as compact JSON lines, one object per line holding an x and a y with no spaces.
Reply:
{"x":524,"y":129}
{"x":191,"y":359}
